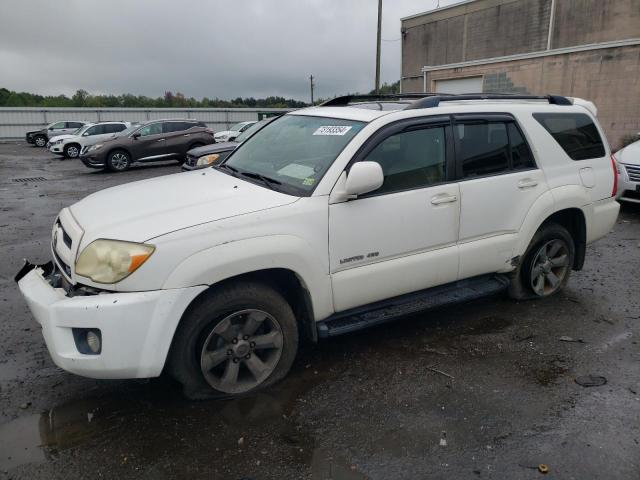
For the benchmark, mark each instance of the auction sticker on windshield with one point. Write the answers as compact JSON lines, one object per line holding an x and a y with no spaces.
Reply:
{"x":332,"y":130}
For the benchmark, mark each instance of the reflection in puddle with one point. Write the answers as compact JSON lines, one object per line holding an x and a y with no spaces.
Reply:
{"x":144,"y":424}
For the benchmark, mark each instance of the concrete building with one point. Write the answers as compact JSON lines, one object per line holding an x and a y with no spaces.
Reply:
{"x":582,"y":48}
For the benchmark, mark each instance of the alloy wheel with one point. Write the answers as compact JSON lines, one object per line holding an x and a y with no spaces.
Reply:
{"x":119,"y":161}
{"x":241,"y":351}
{"x":550,"y":267}
{"x":40,"y":141}
{"x":72,"y":152}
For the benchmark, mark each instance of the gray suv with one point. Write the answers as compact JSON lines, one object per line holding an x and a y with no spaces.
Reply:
{"x":153,"y":141}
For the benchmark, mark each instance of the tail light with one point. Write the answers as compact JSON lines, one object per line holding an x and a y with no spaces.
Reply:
{"x":615,"y":176}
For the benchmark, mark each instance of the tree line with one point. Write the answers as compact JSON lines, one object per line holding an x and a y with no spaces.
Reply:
{"x":82,"y":98}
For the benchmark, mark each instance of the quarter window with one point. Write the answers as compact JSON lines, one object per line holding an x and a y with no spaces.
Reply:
{"x":575,"y":133}
{"x":483,"y":148}
{"x":411,"y":159}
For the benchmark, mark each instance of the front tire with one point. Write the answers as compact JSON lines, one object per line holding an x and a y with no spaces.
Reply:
{"x":546,"y":265}
{"x":71,"y":151}
{"x":235,"y":340}
{"x":40,"y":140}
{"x":118,"y":161}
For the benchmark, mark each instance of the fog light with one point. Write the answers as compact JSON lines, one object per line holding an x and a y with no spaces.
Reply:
{"x":88,"y":340}
{"x":93,"y":341}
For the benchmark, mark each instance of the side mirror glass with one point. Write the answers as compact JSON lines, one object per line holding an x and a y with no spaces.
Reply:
{"x":363,"y":177}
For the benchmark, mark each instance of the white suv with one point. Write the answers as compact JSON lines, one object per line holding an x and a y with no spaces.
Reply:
{"x":327,"y":220}
{"x":233,"y":132}
{"x":71,"y":145}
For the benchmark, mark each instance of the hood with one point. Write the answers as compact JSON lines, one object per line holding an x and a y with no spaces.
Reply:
{"x":213,"y":148}
{"x":140,"y":211}
{"x":60,"y":137}
{"x":629,"y":154}
{"x":225,"y":133}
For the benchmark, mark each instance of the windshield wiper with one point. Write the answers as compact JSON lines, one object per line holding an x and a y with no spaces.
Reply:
{"x":227,"y":167}
{"x":269,"y":182}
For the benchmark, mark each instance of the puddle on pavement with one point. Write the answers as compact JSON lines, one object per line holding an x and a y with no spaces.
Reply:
{"x":142,"y":424}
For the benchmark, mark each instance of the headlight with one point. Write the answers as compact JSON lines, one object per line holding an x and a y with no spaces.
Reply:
{"x":94,"y":147}
{"x":207,"y":159}
{"x":57,"y":142}
{"x":109,"y":261}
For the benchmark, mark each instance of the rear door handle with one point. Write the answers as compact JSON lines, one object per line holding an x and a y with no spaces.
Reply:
{"x":527,"y":183}
{"x":186,"y":134}
{"x":440,"y":199}
{"x":161,"y":139}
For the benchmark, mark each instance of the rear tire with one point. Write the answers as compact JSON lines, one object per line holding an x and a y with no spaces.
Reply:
{"x":118,"y":161}
{"x":546,"y":265}
{"x":72,"y":150}
{"x":235,"y":340}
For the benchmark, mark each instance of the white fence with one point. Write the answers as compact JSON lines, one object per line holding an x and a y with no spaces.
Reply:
{"x":15,"y":122}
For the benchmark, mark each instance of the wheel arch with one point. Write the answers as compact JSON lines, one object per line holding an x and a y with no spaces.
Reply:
{"x":115,"y":149}
{"x":286,"y":282}
{"x":574,"y":220}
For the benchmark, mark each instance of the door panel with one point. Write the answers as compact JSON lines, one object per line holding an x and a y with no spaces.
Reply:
{"x":499,"y":184}
{"x":388,"y":245}
{"x":402,"y":237}
{"x":151,"y":143}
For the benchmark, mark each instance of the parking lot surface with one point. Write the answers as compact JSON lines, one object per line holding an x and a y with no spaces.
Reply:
{"x":482,"y":390}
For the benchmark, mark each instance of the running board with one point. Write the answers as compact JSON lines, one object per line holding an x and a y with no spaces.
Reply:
{"x":387,"y":310}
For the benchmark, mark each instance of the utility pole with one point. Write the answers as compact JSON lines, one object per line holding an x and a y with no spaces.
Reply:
{"x":378,"y":47}
{"x":312,"y":85}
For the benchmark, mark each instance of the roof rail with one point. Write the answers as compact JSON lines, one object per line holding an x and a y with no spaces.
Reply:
{"x":434,"y":100}
{"x":345,"y":100}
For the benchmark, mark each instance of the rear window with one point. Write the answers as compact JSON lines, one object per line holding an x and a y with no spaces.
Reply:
{"x":575,"y":133}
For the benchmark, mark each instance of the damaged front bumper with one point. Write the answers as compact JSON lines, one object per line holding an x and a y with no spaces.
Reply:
{"x":136,"y":328}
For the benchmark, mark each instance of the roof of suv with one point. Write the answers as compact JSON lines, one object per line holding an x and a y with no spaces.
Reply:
{"x":348,"y":108}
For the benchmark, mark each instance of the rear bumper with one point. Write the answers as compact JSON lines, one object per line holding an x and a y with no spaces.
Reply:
{"x":604,"y":214}
{"x":136,"y":327}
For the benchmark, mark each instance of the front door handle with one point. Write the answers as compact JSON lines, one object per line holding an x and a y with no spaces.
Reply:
{"x":527,"y":183}
{"x":161,"y":139}
{"x":440,"y":199}
{"x":186,"y":134}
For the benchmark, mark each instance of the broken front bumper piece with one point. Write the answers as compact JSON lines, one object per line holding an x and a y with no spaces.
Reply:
{"x":136,"y":328}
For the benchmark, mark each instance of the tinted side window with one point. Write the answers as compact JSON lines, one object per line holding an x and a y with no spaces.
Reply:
{"x":153,"y":129}
{"x":483,"y":148}
{"x":114,"y":127}
{"x":74,"y":124}
{"x":169,"y":127}
{"x":575,"y":132}
{"x":520,"y":153}
{"x":412,"y":159}
{"x":92,"y":131}
{"x":58,"y":126}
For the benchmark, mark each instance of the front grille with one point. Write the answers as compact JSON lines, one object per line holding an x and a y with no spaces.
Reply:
{"x":65,"y":236}
{"x":634,"y":172}
{"x":61,"y":263}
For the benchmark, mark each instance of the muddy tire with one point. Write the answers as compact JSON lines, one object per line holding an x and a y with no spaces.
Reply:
{"x":546,"y":265}
{"x":118,"y":161}
{"x":235,"y":340}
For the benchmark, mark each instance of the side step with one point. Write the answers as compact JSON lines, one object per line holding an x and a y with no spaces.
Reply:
{"x":382,"y":312}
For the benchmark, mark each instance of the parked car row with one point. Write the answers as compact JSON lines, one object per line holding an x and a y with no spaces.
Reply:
{"x":116,"y":145}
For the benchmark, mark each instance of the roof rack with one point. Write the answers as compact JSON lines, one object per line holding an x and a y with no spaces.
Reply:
{"x":345,"y":100}
{"x":433,"y":100}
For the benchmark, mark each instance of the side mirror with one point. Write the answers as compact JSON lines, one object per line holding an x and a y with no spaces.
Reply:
{"x":363,"y":177}
{"x":50,"y":129}
{"x":136,"y":135}
{"x":85,"y":134}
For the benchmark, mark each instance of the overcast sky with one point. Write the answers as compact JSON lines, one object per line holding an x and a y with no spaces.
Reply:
{"x":213,"y":48}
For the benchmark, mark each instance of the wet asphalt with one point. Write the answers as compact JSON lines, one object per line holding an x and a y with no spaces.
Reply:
{"x":482,"y":390}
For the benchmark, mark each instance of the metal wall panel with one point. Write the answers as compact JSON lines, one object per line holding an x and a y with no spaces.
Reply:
{"x":15,"y":121}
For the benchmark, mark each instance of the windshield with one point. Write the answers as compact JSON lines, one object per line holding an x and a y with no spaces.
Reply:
{"x":127,"y":131}
{"x":83,"y":129}
{"x":252,"y":129}
{"x":293,"y":152}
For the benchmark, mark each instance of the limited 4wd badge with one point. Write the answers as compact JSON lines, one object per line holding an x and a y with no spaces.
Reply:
{"x":332,"y":130}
